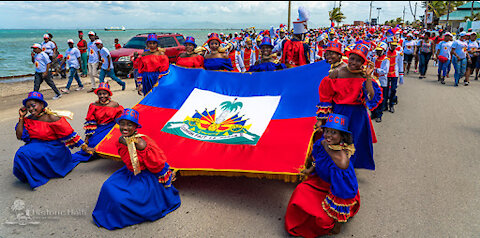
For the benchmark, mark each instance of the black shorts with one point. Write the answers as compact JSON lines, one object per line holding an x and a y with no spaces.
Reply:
{"x":473,"y":63}
{"x":408,"y":58}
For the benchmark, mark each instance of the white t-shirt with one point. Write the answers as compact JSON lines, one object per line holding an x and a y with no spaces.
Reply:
{"x":104,"y":53}
{"x":48,"y":47}
{"x":71,"y":54}
{"x":40,"y":61}
{"x":92,"y":52}
{"x":409,"y":47}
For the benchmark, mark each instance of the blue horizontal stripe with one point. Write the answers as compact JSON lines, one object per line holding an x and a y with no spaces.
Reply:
{"x":298,"y":87}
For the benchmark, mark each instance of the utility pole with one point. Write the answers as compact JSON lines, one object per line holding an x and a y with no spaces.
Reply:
{"x":370,"y":15}
{"x":471,"y":10}
{"x":340,"y":5}
{"x":289,"y":7}
{"x":378,"y":14}
{"x":425,"y":19}
{"x":448,"y":16}
{"x":403,"y":18}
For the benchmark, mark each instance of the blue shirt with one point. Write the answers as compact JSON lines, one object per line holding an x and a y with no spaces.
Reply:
{"x":104,"y":53}
{"x":40,"y":61}
{"x":71,"y":54}
{"x":460,"y":48}
{"x":92,"y":53}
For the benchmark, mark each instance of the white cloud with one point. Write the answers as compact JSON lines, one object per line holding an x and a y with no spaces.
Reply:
{"x":97,"y":14}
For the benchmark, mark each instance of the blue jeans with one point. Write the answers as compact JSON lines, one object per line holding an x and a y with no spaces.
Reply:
{"x":423,"y":64}
{"x":390,"y":92}
{"x":73,"y":73}
{"x":111,"y":74}
{"x":443,"y":68}
{"x":460,"y":66}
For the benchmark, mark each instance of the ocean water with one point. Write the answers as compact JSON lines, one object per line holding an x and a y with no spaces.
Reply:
{"x":15,"y":45}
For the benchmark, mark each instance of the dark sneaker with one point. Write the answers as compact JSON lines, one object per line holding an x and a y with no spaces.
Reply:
{"x":392,"y":109}
{"x":378,"y":119}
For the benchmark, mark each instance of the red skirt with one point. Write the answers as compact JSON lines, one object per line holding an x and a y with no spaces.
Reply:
{"x":305,"y":215}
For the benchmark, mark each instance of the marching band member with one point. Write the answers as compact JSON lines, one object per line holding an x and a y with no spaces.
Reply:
{"x":382,"y":65}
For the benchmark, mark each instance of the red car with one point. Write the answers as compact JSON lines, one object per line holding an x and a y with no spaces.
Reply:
{"x":171,"y":42}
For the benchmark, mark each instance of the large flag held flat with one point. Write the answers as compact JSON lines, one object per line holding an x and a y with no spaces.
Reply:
{"x":231,"y":124}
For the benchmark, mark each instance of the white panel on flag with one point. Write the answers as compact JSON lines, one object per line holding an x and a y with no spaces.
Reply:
{"x":213,"y":117}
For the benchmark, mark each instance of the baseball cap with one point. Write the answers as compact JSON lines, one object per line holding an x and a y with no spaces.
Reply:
{"x":91,"y":33}
{"x":98,"y":41}
{"x":36,"y":46}
{"x":70,"y":41}
{"x":449,"y":34}
{"x":46,"y":36}
{"x":462,"y":33}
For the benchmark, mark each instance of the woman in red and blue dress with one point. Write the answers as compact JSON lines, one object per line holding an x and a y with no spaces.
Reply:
{"x":266,"y":62}
{"x":100,"y":120}
{"x":329,"y":197}
{"x":140,"y":191}
{"x":46,"y":135}
{"x":189,"y":59}
{"x":152,"y":65}
{"x":216,"y":60}
{"x":349,"y":91}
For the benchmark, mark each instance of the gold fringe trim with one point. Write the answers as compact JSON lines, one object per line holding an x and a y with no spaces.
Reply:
{"x":289,"y":178}
{"x":332,"y":216}
{"x":350,"y":149}
{"x":340,"y":205}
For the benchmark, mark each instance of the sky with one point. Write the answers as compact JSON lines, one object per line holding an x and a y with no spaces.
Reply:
{"x":192,"y":15}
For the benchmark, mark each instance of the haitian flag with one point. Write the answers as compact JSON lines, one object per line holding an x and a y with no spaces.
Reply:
{"x":231,"y":124}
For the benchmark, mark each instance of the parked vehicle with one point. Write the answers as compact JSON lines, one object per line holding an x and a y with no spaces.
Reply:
{"x":122,"y":58}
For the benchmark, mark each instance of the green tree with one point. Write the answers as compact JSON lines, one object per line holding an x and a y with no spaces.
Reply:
{"x":475,"y":17}
{"x":440,"y":8}
{"x":336,"y":15}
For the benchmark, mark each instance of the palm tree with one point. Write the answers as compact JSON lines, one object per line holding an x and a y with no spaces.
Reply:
{"x":228,"y":107}
{"x":440,"y":8}
{"x":335,"y":15}
{"x":474,"y":17}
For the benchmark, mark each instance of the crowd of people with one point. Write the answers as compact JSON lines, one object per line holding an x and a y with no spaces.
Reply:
{"x":85,"y":57}
{"x":367,"y":64}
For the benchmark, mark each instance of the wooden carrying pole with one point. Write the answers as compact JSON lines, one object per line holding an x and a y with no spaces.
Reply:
{"x":289,"y":6}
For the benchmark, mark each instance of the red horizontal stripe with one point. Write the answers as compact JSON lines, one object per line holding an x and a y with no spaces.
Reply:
{"x":282,"y":147}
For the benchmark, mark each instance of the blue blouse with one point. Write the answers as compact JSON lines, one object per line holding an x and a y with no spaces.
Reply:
{"x":218,"y":64}
{"x":267,"y":66}
{"x":343,"y":182}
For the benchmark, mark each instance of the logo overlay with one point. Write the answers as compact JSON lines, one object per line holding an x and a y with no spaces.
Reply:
{"x":213,"y":117}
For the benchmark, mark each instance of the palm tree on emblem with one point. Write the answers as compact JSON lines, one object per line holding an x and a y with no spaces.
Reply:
{"x":228,"y":108}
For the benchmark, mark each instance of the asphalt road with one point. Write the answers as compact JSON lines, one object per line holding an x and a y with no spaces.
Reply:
{"x":426,"y":182}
